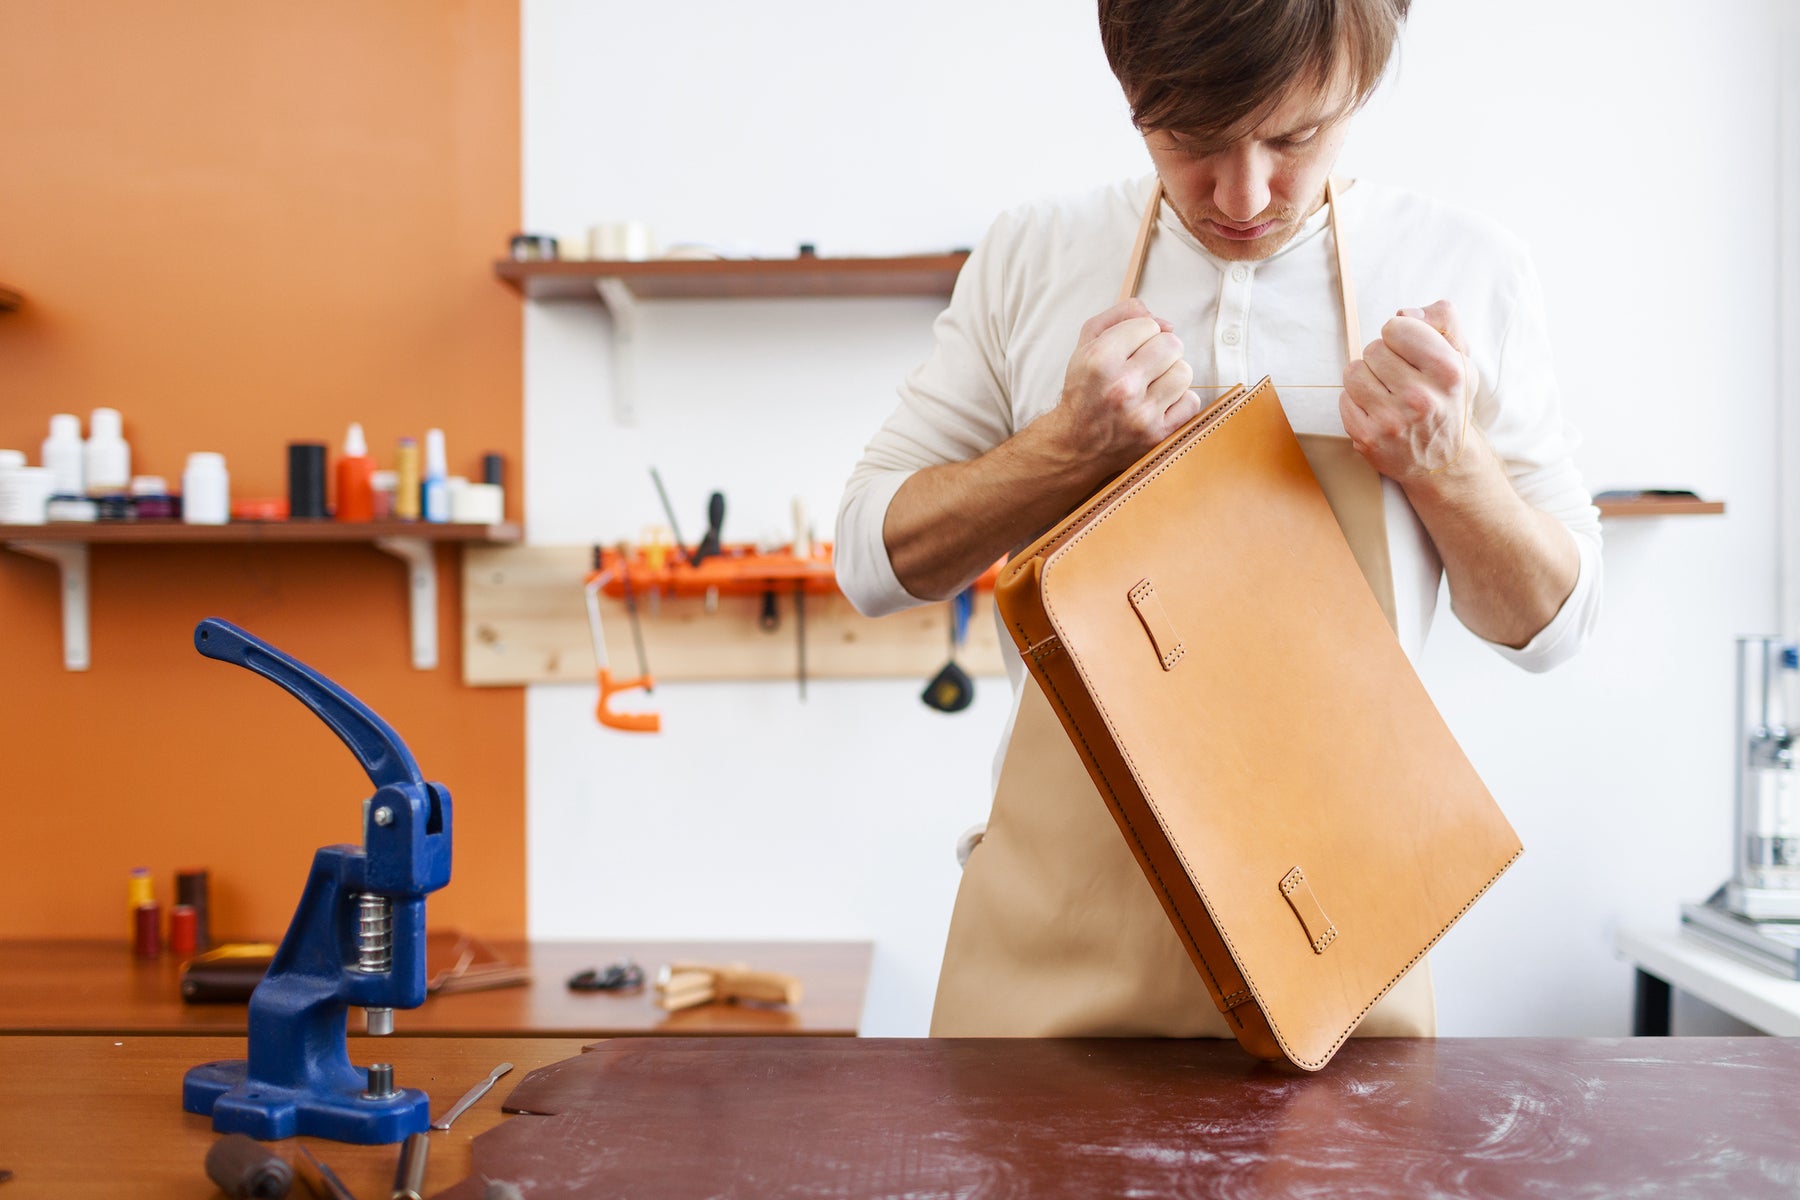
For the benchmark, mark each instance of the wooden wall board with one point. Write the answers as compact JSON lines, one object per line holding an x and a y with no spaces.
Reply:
{"x":524,"y":622}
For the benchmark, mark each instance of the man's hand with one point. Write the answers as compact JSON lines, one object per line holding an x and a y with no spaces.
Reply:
{"x":1125,"y":389}
{"x":1406,"y":401}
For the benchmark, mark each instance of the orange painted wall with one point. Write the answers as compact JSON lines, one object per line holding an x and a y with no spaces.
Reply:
{"x":241,"y":225}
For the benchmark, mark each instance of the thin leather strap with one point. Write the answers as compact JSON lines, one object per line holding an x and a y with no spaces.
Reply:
{"x":1134,"y":273}
{"x":1140,"y":250}
{"x":1346,"y":292}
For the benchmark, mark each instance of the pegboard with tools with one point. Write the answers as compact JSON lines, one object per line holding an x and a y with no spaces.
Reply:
{"x":524,"y":622}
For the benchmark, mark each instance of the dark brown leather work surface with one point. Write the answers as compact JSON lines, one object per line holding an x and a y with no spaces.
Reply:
{"x":817,"y":1118}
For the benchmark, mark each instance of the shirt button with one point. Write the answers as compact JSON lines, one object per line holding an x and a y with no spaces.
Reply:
{"x":1230,"y":336}
{"x":1240,"y":273}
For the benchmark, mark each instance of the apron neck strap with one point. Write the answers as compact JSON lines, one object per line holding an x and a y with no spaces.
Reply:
{"x":1140,"y":249}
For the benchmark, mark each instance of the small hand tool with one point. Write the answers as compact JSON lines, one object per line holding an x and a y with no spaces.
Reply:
{"x":409,"y":1176}
{"x":357,"y":938}
{"x":669,"y":511}
{"x":631,"y":614}
{"x":321,"y":1179}
{"x":610,"y":687}
{"x":715,"y":524}
{"x":951,"y":690}
{"x":800,"y":636}
{"x":619,"y":977}
{"x":245,"y":1170}
{"x":470,"y":1097}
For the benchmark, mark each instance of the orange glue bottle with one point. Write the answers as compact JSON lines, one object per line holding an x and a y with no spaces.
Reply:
{"x":355,"y":478}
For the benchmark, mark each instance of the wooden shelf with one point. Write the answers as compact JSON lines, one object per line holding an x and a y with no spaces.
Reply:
{"x":414,"y":543}
{"x":10,"y":300}
{"x":1655,"y":506}
{"x":169,"y":532}
{"x":735,"y":278}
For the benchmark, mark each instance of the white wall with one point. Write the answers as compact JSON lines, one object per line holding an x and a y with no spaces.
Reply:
{"x":1649,"y":201}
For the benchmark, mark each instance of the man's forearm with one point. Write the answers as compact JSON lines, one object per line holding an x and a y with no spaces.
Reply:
{"x":1510,"y":566}
{"x":947,"y":524}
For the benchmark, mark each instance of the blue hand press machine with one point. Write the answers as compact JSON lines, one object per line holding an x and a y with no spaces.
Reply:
{"x":357,"y":939}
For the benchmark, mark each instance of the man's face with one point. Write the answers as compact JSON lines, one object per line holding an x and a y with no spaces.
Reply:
{"x":1244,"y":199}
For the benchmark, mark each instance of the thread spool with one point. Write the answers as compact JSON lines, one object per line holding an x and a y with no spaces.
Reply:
{"x":306,"y":480}
{"x":245,"y":1170}
{"x":146,"y":941}
{"x":182,"y":942}
{"x":190,"y":889}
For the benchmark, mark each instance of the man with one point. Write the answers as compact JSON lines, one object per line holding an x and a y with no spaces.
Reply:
{"x":1441,"y":447}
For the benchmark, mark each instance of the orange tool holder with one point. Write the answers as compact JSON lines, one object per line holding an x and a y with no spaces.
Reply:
{"x":736,"y":570}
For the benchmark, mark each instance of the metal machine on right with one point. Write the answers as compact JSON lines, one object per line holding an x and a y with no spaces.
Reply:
{"x":1755,"y":916}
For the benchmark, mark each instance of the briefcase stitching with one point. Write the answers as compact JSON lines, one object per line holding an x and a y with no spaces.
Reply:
{"x":1224,"y":935}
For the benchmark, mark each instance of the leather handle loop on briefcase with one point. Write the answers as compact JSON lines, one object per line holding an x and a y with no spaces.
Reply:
{"x":1156,"y":622}
{"x":1300,"y":898}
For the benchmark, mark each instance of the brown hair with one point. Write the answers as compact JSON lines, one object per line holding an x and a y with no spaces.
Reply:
{"x":1213,"y":68}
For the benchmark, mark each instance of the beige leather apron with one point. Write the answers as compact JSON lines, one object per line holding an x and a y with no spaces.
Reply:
{"x":1056,"y":933}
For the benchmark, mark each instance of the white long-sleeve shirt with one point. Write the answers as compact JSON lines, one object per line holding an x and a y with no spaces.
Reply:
{"x":1003,"y":344}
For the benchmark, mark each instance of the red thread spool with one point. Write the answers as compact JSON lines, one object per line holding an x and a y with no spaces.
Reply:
{"x":147,"y":941}
{"x":184,"y":930}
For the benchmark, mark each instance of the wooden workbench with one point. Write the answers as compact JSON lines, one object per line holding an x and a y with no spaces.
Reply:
{"x":832,"y":1119}
{"x":98,"y":987}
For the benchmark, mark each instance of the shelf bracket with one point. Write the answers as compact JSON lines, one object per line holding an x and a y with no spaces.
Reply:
{"x":624,"y":308}
{"x":71,"y":559}
{"x":420,"y":557}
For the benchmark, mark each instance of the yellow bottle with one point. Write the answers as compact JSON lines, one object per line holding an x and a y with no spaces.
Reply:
{"x":406,"y":481}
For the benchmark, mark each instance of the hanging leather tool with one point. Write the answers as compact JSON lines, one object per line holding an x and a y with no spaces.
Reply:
{"x":951,"y":690}
{"x":609,"y":687}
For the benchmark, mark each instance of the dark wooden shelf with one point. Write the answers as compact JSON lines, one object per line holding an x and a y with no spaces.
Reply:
{"x":1653,"y":506}
{"x":170,"y":532}
{"x":733,"y":278}
{"x":9,"y":299}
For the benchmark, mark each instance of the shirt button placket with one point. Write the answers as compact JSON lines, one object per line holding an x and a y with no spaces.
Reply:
{"x":1232,"y":336}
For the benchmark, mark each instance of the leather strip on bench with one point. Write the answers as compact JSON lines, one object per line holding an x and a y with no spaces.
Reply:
{"x":1149,"y":609}
{"x":1306,"y":906}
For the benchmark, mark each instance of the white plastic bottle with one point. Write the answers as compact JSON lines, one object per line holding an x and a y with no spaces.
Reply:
{"x":205,"y":490}
{"x":107,"y":460}
{"x":434,"y":492}
{"x":63,"y":455}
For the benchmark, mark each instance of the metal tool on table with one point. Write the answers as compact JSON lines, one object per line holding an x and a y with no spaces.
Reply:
{"x":1756,"y":914}
{"x":471,"y":1096}
{"x":951,"y":690}
{"x":357,"y":939}
{"x":320,"y":1179}
{"x":245,"y":1170}
{"x":409,"y":1175}
{"x":610,"y":687}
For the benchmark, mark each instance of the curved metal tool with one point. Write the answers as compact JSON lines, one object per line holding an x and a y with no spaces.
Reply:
{"x":475,"y":1093}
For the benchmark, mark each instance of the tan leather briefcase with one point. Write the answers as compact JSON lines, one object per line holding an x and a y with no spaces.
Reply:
{"x":1300,"y":809}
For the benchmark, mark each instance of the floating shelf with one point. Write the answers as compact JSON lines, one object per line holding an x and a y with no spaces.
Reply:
{"x":412,"y":542}
{"x":621,"y":285}
{"x":1653,"y":506}
{"x":734,"y":278}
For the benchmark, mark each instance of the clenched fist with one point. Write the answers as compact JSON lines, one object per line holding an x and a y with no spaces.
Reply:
{"x":1126,"y":388}
{"x":1406,"y":401}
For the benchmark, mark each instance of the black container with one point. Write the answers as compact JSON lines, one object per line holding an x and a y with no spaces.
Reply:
{"x":306,"y":480}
